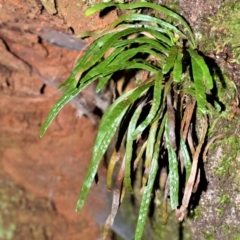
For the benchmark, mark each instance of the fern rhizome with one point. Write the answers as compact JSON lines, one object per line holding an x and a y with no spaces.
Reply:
{"x":156,"y":118}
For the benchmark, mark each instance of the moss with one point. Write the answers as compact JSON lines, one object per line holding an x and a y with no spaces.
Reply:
{"x":226,"y":175}
{"x":6,"y":233}
{"x":219,"y":203}
{"x":231,"y":231}
{"x":224,"y":30}
{"x":223,"y":166}
{"x":196,"y":214}
{"x":172,"y":230}
{"x":236,"y":237}
{"x":208,"y":236}
{"x":229,"y":161}
{"x":225,"y":198}
{"x":173,"y":4}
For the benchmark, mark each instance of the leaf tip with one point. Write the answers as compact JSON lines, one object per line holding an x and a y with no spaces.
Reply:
{"x":88,"y":12}
{"x":79,"y":205}
{"x":41,"y":133}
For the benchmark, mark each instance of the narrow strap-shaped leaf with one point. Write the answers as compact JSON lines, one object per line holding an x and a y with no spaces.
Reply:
{"x":177,"y":69}
{"x":164,"y":220}
{"x":93,"y":54}
{"x":146,"y":18}
{"x":117,"y":66}
{"x":199,"y":86}
{"x":157,"y":45}
{"x":116,"y":51}
{"x":129,"y":146}
{"x":152,"y":32}
{"x":186,"y":157}
{"x":148,"y":189}
{"x":171,"y":121}
{"x":101,"y":143}
{"x":149,"y":150}
{"x":173,"y":170}
{"x":116,"y":200}
{"x":104,"y":77}
{"x":98,"y":72}
{"x":86,"y":34}
{"x":142,"y":126}
{"x":164,"y":10}
{"x":140,"y":154}
{"x":146,"y":199}
{"x":113,"y":160}
{"x":107,"y":129}
{"x":70,"y":93}
{"x":82,"y":63}
{"x":192,"y":176}
{"x":128,"y":54}
{"x":154,"y":6}
{"x":112,"y":113}
{"x":102,"y":82}
{"x":205,"y":70}
{"x":98,"y":7}
{"x":186,"y":119}
{"x":170,"y":59}
{"x":92,"y":48}
{"x":155,"y":105}
{"x":99,"y":49}
{"x":158,"y":36}
{"x":150,"y":143}
{"x":110,"y":41}
{"x":143,"y":65}
{"x":68,"y":81}
{"x":188,"y":90}
{"x":174,"y":38}
{"x":100,"y":53}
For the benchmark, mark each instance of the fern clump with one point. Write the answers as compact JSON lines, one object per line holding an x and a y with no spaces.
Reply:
{"x":158,"y":111}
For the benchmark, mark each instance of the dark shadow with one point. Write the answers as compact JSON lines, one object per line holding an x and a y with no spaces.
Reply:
{"x":96,"y":178}
{"x":97,"y":111}
{"x":42,"y":89}
{"x":180,"y":231}
{"x":7,"y":82}
{"x":214,"y":70}
{"x":106,"y":11}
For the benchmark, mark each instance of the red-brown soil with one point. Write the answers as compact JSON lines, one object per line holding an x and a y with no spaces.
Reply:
{"x":41,"y":178}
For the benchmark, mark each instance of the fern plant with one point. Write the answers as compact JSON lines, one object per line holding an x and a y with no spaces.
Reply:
{"x":158,"y":111}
